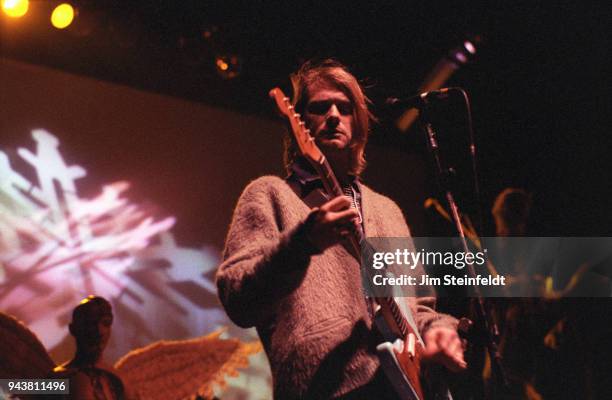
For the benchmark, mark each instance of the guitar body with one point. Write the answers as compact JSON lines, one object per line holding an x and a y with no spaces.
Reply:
{"x":389,"y":357}
{"x":401,"y":363}
{"x":401,"y":368}
{"x":400,"y":354}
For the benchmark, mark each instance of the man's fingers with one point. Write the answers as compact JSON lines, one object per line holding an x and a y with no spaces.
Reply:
{"x":445,"y":347}
{"x":459,"y":363}
{"x":344,"y":217}
{"x":454,"y":363}
{"x":455,"y":347}
{"x":456,"y":353}
{"x":337,"y":204}
{"x":452,"y":347}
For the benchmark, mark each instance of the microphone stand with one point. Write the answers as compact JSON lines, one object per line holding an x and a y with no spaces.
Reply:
{"x":491,"y":331}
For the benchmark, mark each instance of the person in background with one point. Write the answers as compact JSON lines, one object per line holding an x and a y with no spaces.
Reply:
{"x":89,"y":378}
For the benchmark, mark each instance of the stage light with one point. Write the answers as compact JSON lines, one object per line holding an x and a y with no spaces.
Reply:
{"x":222,"y":65}
{"x":469,"y":46}
{"x":228,"y":66}
{"x":62,"y":16}
{"x":15,"y":8}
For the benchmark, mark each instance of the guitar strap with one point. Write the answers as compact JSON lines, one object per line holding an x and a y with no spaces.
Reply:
{"x":314,"y":198}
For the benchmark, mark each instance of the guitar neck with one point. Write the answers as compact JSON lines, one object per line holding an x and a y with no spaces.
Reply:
{"x":333,"y":188}
{"x":401,"y":324}
{"x":330,"y":182}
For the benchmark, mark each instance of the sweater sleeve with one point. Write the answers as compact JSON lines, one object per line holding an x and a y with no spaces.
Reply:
{"x":262,"y":263}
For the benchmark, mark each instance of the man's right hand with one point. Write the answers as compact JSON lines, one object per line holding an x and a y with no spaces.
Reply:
{"x":331,"y":222}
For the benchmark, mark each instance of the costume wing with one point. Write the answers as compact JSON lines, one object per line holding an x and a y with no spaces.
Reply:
{"x":22,"y":355}
{"x":184,"y":369}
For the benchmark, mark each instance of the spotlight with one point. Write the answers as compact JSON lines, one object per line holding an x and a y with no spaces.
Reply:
{"x":222,"y":65}
{"x":462,"y":54}
{"x":469,"y":46}
{"x":62,"y":16}
{"x":228,"y":66}
{"x":15,"y":8}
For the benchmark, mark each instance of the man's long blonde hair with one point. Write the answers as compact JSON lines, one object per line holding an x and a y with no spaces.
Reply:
{"x":335,"y":73}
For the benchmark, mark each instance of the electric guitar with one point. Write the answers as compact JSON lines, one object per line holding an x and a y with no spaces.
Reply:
{"x":400,"y":356}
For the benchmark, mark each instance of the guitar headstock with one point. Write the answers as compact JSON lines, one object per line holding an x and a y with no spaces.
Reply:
{"x":304,"y":140}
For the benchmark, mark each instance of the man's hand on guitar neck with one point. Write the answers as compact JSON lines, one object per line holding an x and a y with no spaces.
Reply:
{"x":328,"y":224}
{"x":443,"y":346}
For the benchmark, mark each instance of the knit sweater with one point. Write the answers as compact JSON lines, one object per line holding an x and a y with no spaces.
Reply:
{"x":309,"y":309}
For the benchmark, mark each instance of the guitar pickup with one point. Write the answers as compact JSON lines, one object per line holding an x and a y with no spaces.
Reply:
{"x":411,"y":345}
{"x":407,"y":346}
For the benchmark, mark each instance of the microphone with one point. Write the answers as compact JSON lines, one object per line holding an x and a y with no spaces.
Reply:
{"x":419,"y":101}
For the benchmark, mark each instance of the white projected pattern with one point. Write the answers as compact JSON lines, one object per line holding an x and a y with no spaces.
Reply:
{"x":56,"y":248}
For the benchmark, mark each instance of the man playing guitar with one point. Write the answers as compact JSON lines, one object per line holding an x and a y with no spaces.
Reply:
{"x":287,"y":269}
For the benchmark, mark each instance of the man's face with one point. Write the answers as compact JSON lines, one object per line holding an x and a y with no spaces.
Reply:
{"x":329,"y":116}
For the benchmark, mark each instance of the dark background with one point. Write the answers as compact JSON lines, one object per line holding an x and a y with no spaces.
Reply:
{"x":536,"y":83}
